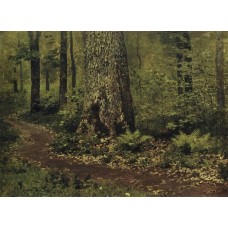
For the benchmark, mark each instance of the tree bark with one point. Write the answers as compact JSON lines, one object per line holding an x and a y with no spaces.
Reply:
{"x":35,"y":71}
{"x":137,"y":50}
{"x":184,"y":62}
{"x":220,"y":82}
{"x":108,"y":107}
{"x":63,"y":70}
{"x":73,"y":65}
{"x":21,"y":77}
{"x":21,"y":66}
{"x":15,"y":87}
{"x":47,"y":80}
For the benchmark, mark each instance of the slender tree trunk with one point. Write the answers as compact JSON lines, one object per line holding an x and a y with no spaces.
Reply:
{"x":47,"y":80}
{"x":63,"y":70}
{"x":21,"y":77}
{"x":108,"y":107}
{"x":137,"y":50}
{"x":15,"y":86}
{"x":220,"y":82}
{"x":21,"y":66}
{"x":73,"y":65}
{"x":184,"y":62}
{"x":35,"y":71}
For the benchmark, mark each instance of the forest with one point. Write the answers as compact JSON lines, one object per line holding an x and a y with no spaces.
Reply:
{"x":113,"y":113}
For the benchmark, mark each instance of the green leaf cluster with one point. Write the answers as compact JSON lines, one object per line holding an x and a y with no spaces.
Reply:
{"x":194,"y":142}
{"x":132,"y":140}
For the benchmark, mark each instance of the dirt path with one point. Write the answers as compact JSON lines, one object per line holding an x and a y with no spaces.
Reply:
{"x":35,"y":148}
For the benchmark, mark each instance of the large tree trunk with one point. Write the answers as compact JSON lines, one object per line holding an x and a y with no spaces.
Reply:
{"x":35,"y":71}
{"x":220,"y":82}
{"x":73,"y":65}
{"x":63,"y":70}
{"x":184,"y":62}
{"x":108,"y":107}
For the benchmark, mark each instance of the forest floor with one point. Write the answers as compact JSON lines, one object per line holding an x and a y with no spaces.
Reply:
{"x":34,"y":147}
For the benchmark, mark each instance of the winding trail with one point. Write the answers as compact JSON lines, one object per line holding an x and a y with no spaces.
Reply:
{"x":34,"y":147}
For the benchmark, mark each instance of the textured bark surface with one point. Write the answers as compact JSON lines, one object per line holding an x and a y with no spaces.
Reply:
{"x":35,"y":71}
{"x":73,"y":65}
{"x":63,"y":70}
{"x":107,"y":103}
{"x":184,"y":62}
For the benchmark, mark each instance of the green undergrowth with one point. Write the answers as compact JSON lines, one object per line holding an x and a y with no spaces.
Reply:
{"x":132,"y":141}
{"x":194,"y":142}
{"x":223,"y":170}
{"x":111,"y":151}
{"x":193,"y":151}
{"x":19,"y":178}
{"x":41,"y":119}
{"x":7,"y":133}
{"x":201,"y":158}
{"x":65,"y":121}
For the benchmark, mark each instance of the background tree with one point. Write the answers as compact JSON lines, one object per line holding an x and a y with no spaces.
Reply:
{"x":108,"y":107}
{"x":20,"y":65}
{"x":159,"y":109}
{"x":220,"y":80}
{"x":138,"y":50}
{"x":35,"y":70}
{"x":73,"y":65}
{"x":184,"y":61}
{"x":63,"y":69}
{"x":15,"y":82}
{"x":50,"y":63}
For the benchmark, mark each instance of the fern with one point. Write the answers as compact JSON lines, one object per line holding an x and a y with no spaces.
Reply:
{"x":132,"y":141}
{"x":194,"y":142}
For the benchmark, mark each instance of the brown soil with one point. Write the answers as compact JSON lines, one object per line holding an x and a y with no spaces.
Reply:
{"x":34,"y":147}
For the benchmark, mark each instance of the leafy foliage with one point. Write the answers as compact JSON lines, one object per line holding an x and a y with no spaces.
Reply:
{"x":69,"y":120}
{"x":7,"y":133}
{"x":49,"y":105}
{"x":132,"y":140}
{"x":11,"y":102}
{"x":51,"y":59}
{"x":194,"y":142}
{"x":22,"y":53}
{"x":159,"y":109}
{"x":223,"y":170}
{"x":64,"y":143}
